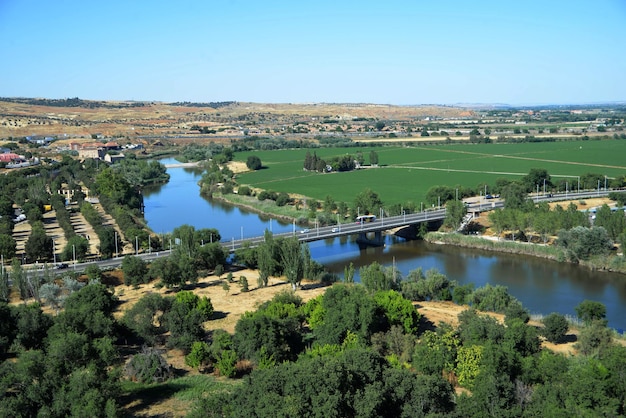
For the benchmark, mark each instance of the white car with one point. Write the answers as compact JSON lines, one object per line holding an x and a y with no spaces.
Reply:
{"x":305,"y":231}
{"x":335,"y":230}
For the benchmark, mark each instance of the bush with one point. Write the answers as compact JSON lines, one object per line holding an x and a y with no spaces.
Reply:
{"x":555,"y":328}
{"x":149,"y":366}
{"x":200,"y":355}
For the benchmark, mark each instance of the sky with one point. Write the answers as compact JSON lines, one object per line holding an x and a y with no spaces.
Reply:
{"x":343,"y":51}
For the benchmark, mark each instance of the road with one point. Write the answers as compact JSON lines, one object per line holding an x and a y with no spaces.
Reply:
{"x":328,"y":232}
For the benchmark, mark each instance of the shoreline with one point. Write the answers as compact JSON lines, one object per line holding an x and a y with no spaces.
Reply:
{"x":533,"y":250}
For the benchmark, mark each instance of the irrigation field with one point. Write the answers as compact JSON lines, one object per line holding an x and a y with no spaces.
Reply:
{"x":407,"y":172}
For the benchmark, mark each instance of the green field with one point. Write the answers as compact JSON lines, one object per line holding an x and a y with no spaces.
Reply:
{"x":407,"y":172}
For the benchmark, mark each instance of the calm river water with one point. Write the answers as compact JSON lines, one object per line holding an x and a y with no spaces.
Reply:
{"x":542,"y":286}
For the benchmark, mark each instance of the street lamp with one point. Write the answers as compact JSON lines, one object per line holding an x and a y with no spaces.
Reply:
{"x":242,"y":233}
{"x":54,"y":253}
{"x":116,"y":252}
{"x":74,"y":253}
{"x":136,"y":245}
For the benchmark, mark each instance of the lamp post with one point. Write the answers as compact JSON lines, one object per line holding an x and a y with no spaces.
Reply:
{"x":566,"y":187}
{"x":116,"y":253}
{"x":578,"y":184}
{"x":242,"y":233}
{"x":537,"y":199}
{"x":598,"y":187}
{"x":54,"y":253}
{"x":544,"y":187}
{"x":74,"y":253}
{"x":136,"y":245}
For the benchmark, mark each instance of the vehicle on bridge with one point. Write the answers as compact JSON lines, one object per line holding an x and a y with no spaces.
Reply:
{"x":365,"y":218}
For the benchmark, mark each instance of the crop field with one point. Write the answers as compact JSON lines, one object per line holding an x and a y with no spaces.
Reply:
{"x":407,"y":172}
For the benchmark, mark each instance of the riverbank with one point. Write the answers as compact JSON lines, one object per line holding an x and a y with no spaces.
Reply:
{"x":616,"y":264}
{"x":267,"y":208}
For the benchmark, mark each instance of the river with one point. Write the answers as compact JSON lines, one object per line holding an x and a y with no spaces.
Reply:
{"x":542,"y":286}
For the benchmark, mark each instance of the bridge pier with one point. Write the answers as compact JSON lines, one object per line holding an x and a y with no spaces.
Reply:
{"x":376,"y":241}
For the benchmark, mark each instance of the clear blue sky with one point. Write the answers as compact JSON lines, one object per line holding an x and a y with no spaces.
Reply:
{"x":395,"y":52}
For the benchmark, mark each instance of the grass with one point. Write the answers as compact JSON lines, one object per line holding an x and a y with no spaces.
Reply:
{"x":407,"y":172}
{"x":181,"y":393}
{"x":545,"y":251}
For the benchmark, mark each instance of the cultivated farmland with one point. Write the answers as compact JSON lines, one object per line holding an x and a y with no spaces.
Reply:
{"x":407,"y":172}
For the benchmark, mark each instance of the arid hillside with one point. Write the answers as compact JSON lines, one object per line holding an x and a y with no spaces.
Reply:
{"x":75,"y":117}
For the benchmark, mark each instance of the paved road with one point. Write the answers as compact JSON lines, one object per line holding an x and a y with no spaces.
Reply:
{"x":327,"y":232}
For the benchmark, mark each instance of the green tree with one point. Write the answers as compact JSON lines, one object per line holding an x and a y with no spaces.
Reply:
{"x":185,"y":317}
{"x":145,"y":318}
{"x":293,"y":261}
{"x":38,"y":246}
{"x":514,"y":196}
{"x":8,"y":246}
{"x":75,"y":249}
{"x":581,"y":243}
{"x":254,"y":163}
{"x":398,"y":310}
{"x":346,"y":308}
{"x":149,"y":366}
{"x":455,"y":211}
{"x":555,"y":328}
{"x":375,"y":278}
{"x":373,"y":158}
{"x":367,"y":202}
{"x":135,"y":270}
{"x":589,"y":311}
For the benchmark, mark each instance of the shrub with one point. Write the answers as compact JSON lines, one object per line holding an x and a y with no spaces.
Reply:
{"x":149,"y":366}
{"x":555,"y":327}
{"x":200,"y":355}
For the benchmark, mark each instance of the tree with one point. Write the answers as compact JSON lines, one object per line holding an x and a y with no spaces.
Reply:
{"x":8,"y":246}
{"x":145,"y":318}
{"x":380,"y":125}
{"x":167,"y":270}
{"x":589,"y":311}
{"x":367,"y":202}
{"x":75,"y":249}
{"x":536,"y":177}
{"x":581,"y":243}
{"x":514,"y":196}
{"x":39,"y":245}
{"x":185,"y":317}
{"x":254,"y":163}
{"x":373,"y":158}
{"x":19,"y":278}
{"x":135,"y":270}
{"x":293,"y":261}
{"x":555,"y":327}
{"x":346,"y":308}
{"x":398,"y":310}
{"x":374,"y":278}
{"x":93,"y":272}
{"x":455,"y":211}
{"x":149,"y":366}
